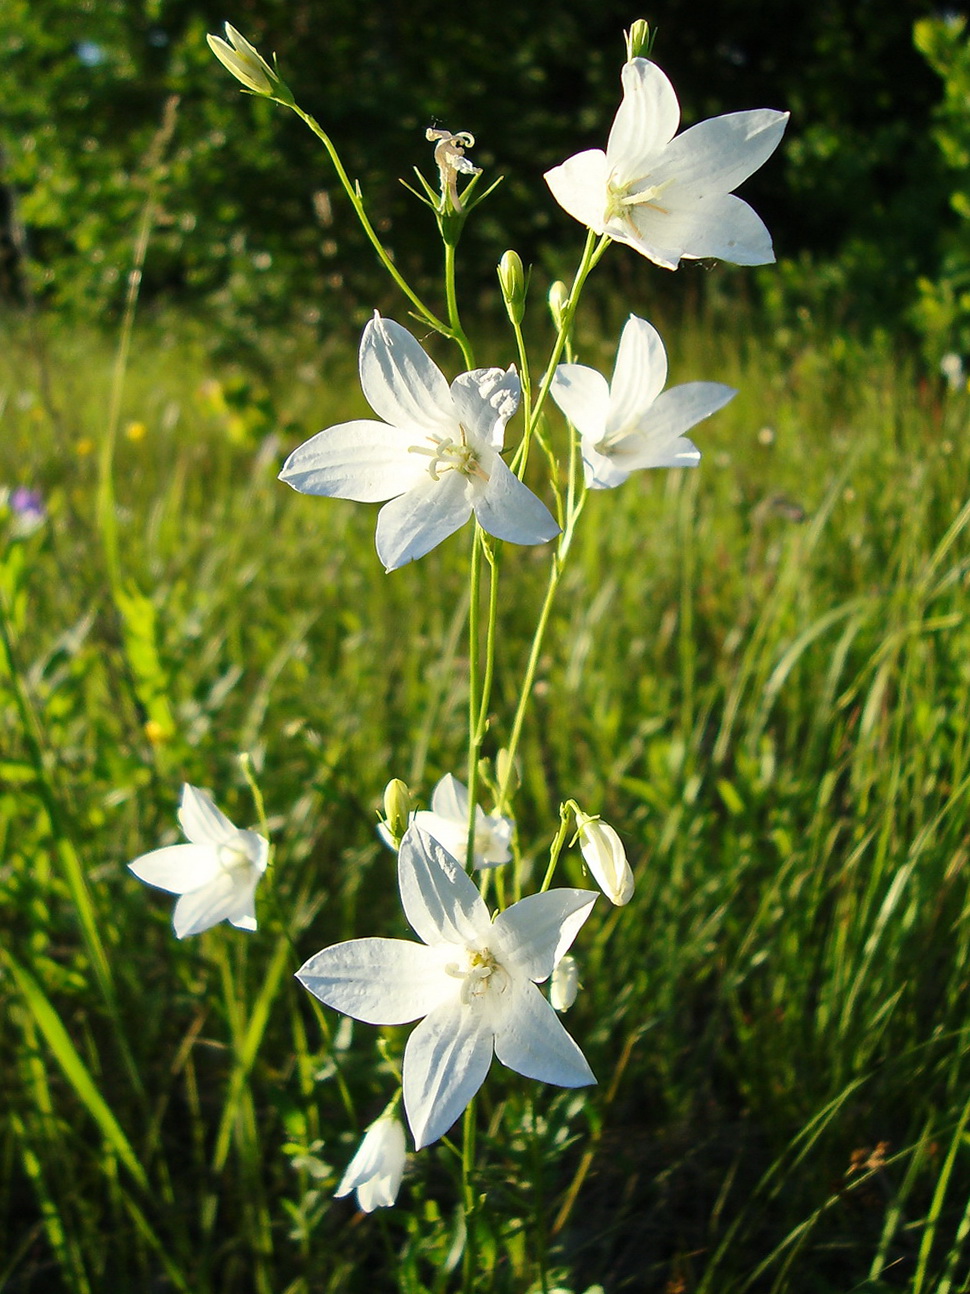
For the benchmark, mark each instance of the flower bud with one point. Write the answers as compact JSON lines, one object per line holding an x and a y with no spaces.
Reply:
{"x":376,"y":1170}
{"x":558,"y":298}
{"x":511,"y":277}
{"x":564,"y":984}
{"x":247,"y":65}
{"x":397,"y":808}
{"x":639,"y":40}
{"x":606,"y":858}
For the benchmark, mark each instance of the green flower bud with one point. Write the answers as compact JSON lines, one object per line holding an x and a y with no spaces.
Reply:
{"x":511,"y":277}
{"x":247,"y":65}
{"x":639,"y":40}
{"x":397,"y":808}
{"x":558,"y":299}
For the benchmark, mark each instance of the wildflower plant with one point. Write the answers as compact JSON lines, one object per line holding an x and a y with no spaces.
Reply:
{"x":481,"y":453}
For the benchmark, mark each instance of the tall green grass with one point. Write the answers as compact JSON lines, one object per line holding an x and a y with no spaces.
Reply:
{"x":758,"y":671}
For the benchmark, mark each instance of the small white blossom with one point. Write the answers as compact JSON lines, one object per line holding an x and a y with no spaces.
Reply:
{"x":436,"y":456}
{"x":671,"y":198}
{"x":216,"y":873}
{"x":376,"y":1169}
{"x":244,"y":61}
{"x":447,"y":821}
{"x":632,"y":422}
{"x":564,"y":984}
{"x":473,"y":979}
{"x":449,"y":154}
{"x":605,"y":857}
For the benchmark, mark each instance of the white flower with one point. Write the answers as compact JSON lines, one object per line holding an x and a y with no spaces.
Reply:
{"x":671,"y":198}
{"x":447,"y":821}
{"x":472,"y":979}
{"x":376,"y":1170}
{"x":632,"y":422}
{"x":435,"y":456}
{"x":216,"y":873}
{"x":605,"y":857}
{"x":564,"y":984}
{"x":244,"y":61}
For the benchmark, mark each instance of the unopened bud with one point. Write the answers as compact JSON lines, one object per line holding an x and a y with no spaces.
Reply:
{"x":247,"y":65}
{"x":605,"y":857}
{"x":564,"y":984}
{"x":397,"y":808}
{"x":558,"y":300}
{"x":511,"y":277}
{"x":639,"y":40}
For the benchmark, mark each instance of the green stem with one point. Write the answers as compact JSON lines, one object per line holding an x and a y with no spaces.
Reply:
{"x":353,"y":193}
{"x":474,"y":741}
{"x":469,"y":1268}
{"x":457,"y":332}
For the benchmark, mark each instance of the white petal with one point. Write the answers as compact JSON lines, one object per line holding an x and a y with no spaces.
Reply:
{"x":509,"y":510}
{"x":450,"y":799}
{"x":639,"y":374}
{"x":579,"y":186}
{"x":365,"y":460}
{"x":532,"y":1041}
{"x":730,"y":230}
{"x":379,"y":981}
{"x":440,"y":900}
{"x":647,"y":119}
{"x":178,"y":868}
{"x":715,"y":156}
{"x":485,"y":400}
{"x":446,"y":1061}
{"x":201,"y":821}
{"x":376,"y":1169}
{"x":583,"y":395}
{"x":430,"y":511}
{"x":200,"y":909}
{"x":449,"y":833}
{"x":653,"y":234}
{"x":601,"y":471}
{"x":674,"y":412}
{"x":242,"y":912}
{"x":535,"y":932}
{"x":401,"y":383}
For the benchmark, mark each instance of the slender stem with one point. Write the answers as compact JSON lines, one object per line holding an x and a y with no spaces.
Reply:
{"x":474,"y":742}
{"x":457,"y":332}
{"x":469,"y":1266}
{"x":353,"y":193}
{"x":492,"y":557}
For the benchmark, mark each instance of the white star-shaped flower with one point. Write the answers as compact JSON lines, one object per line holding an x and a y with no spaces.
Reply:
{"x":447,"y":821}
{"x":671,"y":198}
{"x":376,"y":1169}
{"x":436,"y":455}
{"x":216,"y":873}
{"x":632,"y":422}
{"x":472,"y":979}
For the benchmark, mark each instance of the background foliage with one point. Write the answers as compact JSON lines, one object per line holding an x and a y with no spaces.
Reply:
{"x":859,"y":197}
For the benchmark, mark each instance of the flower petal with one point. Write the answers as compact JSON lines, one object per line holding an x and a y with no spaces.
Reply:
{"x":446,"y":1061}
{"x":379,"y":981}
{"x":201,"y":821}
{"x":601,"y":471}
{"x":509,"y":510}
{"x":178,"y":868}
{"x":673,"y":413}
{"x":532,"y":1041}
{"x":440,"y":900}
{"x":579,"y":186}
{"x":485,"y":399}
{"x":450,"y":799}
{"x":365,"y":460}
{"x":376,"y":1169}
{"x":715,"y":156}
{"x":638,"y":375}
{"x":535,"y":932}
{"x":200,"y":909}
{"x":645,"y":122}
{"x":430,"y":511}
{"x":583,"y":395}
{"x":401,"y":383}
{"x":732,"y":231}
{"x":242,"y":912}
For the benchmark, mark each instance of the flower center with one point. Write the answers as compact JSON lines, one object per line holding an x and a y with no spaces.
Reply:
{"x":480,"y":973}
{"x":232,"y":859}
{"x":621,"y":197}
{"x":448,"y":455}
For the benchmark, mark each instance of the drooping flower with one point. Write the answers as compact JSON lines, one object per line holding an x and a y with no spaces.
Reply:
{"x":564,"y":985}
{"x":436,"y":455}
{"x":670,"y":198}
{"x":449,"y":154}
{"x":632,"y":422}
{"x":376,"y":1169}
{"x":216,"y":873}
{"x":606,"y":858}
{"x":447,"y":821}
{"x":471,"y":978}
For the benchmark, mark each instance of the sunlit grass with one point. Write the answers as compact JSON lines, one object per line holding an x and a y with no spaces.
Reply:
{"x":759,"y":672}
